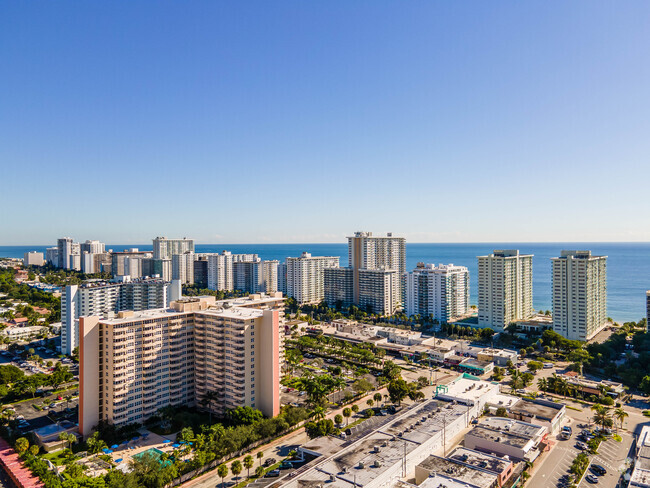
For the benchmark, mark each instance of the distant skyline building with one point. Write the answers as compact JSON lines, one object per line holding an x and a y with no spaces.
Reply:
{"x":92,"y":247}
{"x":33,"y":258}
{"x":64,"y":245}
{"x":305,"y":276}
{"x":183,"y":267}
{"x":337,"y":287}
{"x":270,"y":275}
{"x":248,"y":276}
{"x":441,"y":292}
{"x":647,"y":307}
{"x":201,"y":270}
{"x":52,"y":255}
{"x":505,"y":288}
{"x":579,"y":294}
{"x":164,"y":248}
{"x":104,"y":299}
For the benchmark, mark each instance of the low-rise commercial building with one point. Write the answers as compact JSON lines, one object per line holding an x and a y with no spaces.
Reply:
{"x":452,"y":468}
{"x":640,"y":477}
{"x":505,"y":437}
{"x":542,"y":412}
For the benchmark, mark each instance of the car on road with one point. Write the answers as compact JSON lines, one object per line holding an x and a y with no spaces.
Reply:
{"x":272,"y":474}
{"x":598,"y":469}
{"x":591,"y":478}
{"x":521,"y":391}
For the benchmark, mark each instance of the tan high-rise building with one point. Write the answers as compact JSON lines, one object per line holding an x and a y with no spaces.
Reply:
{"x":505,"y":288}
{"x":164,"y":248}
{"x":579,"y":294}
{"x":200,"y":352}
{"x":366,"y":251}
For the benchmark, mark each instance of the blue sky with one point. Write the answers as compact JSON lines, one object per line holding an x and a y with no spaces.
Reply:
{"x":245,"y":122}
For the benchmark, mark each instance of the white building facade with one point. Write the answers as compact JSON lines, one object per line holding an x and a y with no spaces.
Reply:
{"x":505,"y":288}
{"x":579,"y":294}
{"x":441,"y":292}
{"x":305,"y":276}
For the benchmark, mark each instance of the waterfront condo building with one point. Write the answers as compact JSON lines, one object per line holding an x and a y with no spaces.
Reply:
{"x":647,"y":307}
{"x":337,"y":287}
{"x":164,"y":248}
{"x":52,"y":255}
{"x":579,"y":294}
{"x":270,"y":269}
{"x":199,"y":352}
{"x":366,"y":251}
{"x":505,"y":288}
{"x":441,"y":292}
{"x":305,"y":276}
{"x":104,"y":299}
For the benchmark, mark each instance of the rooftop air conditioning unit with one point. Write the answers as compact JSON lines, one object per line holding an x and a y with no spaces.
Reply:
{"x":361,"y":465}
{"x":377,"y":464}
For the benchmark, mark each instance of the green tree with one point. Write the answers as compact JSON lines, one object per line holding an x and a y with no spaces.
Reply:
{"x":338,"y":419}
{"x":222,"y":471}
{"x":259,"y":471}
{"x":236,"y":468}
{"x":34,"y":450}
{"x":248,"y":464}
{"x":355,"y":408}
{"x":21,"y":445}
{"x":398,"y":389}
{"x":535,"y":366}
{"x":620,"y":415}
{"x":377,"y":397}
{"x":260,"y":455}
{"x":347,"y":413}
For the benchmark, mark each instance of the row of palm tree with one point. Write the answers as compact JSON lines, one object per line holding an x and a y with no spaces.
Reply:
{"x":604,"y":417}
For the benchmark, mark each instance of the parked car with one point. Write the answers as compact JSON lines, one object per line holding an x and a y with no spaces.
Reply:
{"x":285,"y":465}
{"x":598,"y":469}
{"x":272,"y":474}
{"x":269,"y":462}
{"x":581,"y":445}
{"x":591,"y":478}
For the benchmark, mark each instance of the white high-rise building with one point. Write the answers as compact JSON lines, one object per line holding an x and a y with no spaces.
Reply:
{"x":220,"y":275}
{"x":33,"y":258}
{"x":92,"y":247}
{"x":379,"y":291}
{"x":579,"y":294}
{"x":505,"y":288}
{"x":282,"y":277}
{"x":305,"y":276}
{"x":64,"y":246}
{"x":52,"y":256}
{"x":88,"y":263}
{"x":248,"y":276}
{"x":441,"y":292}
{"x":104,"y":299}
{"x":164,"y":248}
{"x":270,"y":277}
{"x":183,"y":267}
{"x":366,"y":251}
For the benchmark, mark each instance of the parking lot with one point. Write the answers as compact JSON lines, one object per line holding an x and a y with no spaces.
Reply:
{"x":611,"y":455}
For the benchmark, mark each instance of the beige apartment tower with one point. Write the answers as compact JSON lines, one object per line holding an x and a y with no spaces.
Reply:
{"x":505,"y":288}
{"x":133,"y":365}
{"x":579,"y":294}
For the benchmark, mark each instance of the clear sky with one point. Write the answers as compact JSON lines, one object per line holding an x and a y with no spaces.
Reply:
{"x":245,"y":122}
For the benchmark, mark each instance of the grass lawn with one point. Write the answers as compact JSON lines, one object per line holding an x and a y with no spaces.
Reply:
{"x":56,"y":458}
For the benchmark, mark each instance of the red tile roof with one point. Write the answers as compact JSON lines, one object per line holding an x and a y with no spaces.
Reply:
{"x":10,"y":460}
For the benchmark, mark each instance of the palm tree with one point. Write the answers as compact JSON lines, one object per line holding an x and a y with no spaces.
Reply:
{"x":208,"y":399}
{"x":601,"y":416}
{"x":318,"y":413}
{"x":248,"y":464}
{"x":542,"y":384}
{"x":222,"y":471}
{"x":347,"y":413}
{"x":377,"y":397}
{"x":260,"y":455}
{"x":620,"y":415}
{"x":236,"y":468}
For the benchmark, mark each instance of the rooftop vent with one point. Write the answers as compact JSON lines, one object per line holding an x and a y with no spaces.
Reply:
{"x":377,"y":463}
{"x":361,"y":465}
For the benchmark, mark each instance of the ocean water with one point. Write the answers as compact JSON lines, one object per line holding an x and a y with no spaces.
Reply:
{"x":628,"y":264}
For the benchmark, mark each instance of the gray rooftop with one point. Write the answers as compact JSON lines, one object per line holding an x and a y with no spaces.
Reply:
{"x":541,"y":411}
{"x":478,"y":459}
{"x":500,"y":437}
{"x":459,"y":472}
